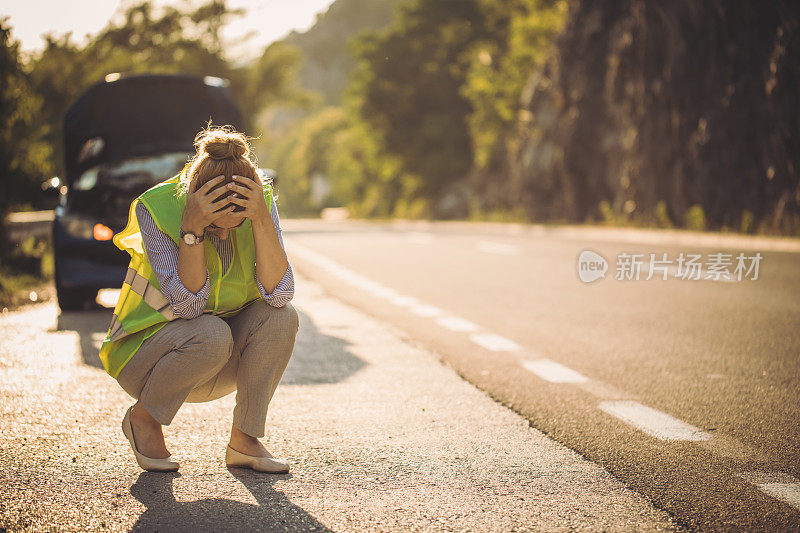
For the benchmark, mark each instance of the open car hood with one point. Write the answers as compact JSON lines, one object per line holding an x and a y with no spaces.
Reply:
{"x":142,"y":115}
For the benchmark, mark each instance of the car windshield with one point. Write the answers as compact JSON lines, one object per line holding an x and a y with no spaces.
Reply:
{"x":134,"y":173}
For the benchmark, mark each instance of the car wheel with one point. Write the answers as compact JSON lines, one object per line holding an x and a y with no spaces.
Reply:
{"x":73,"y":299}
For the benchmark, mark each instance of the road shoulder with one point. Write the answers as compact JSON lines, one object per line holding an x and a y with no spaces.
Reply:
{"x":379,"y":434}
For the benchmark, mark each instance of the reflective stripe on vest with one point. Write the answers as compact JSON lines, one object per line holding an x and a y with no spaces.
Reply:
{"x":142,"y":308}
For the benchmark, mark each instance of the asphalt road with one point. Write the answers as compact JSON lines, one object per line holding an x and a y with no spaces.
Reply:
{"x":379,"y":435}
{"x":686,"y":390}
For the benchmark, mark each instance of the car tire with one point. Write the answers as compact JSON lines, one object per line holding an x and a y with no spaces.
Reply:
{"x":73,"y":299}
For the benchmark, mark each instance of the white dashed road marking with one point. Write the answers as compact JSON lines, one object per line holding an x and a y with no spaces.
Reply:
{"x":780,"y":486}
{"x":426,"y":310}
{"x":646,"y":419}
{"x":494,"y":342}
{"x":383,"y":292}
{"x":454,"y":323}
{"x":652,"y":421}
{"x":787,"y":492}
{"x":553,"y":372}
{"x":405,"y":301}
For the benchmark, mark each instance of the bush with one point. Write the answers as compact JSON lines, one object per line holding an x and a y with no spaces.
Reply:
{"x":695,"y":218}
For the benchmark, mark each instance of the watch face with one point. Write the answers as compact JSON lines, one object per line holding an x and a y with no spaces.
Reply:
{"x":189,"y":238}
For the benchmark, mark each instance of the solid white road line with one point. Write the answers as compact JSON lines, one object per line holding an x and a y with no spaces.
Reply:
{"x":553,"y":372}
{"x":652,"y":421}
{"x":496,"y":343}
{"x":454,"y":323}
{"x":499,"y":248}
{"x":780,"y":486}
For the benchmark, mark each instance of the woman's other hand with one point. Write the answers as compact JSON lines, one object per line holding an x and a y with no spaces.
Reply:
{"x":250,"y":195}
{"x":203,"y":206}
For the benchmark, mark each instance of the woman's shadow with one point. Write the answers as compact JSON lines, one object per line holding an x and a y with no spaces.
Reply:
{"x":317,"y":358}
{"x":273,"y":512}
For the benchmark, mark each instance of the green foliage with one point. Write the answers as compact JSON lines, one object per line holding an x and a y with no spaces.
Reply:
{"x":369,"y":181}
{"x":24,"y":158}
{"x":695,"y":218}
{"x":301,"y":154}
{"x":500,"y":66}
{"x":344,"y":155}
{"x":27,"y":265}
{"x":441,"y":87}
{"x":169,"y":40}
{"x":407,"y":89}
{"x":473,"y":108}
{"x":662,"y":215}
{"x":746,"y":225}
{"x":327,"y":60}
{"x":422,"y":96}
{"x":607,"y":214}
{"x":269,"y":80}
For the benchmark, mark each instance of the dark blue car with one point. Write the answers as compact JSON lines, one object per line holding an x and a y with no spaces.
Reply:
{"x":124,"y":135}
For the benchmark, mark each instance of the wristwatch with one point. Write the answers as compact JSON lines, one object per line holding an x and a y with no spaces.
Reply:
{"x":190,"y":238}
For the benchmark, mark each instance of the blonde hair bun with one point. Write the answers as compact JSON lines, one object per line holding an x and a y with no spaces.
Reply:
{"x":222,"y":144}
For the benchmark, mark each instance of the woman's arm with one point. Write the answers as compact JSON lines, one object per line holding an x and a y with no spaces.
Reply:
{"x":198,"y":213}
{"x":192,"y":262}
{"x":284,"y":290}
{"x":271,"y":262}
{"x":163,"y":254}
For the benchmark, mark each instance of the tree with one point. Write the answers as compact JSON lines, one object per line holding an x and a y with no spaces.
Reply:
{"x":24,"y":158}
{"x":441,"y":89}
{"x":407,"y":89}
{"x":167,"y":40}
{"x":517,"y":43}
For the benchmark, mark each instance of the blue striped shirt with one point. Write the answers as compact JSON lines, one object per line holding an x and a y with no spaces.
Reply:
{"x":162,"y":252}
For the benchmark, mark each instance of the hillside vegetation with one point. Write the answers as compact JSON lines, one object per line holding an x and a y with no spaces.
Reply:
{"x":638,"y":112}
{"x":673,"y":114}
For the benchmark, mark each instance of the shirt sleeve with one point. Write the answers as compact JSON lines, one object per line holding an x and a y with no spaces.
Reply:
{"x":162,"y":252}
{"x":284,"y":290}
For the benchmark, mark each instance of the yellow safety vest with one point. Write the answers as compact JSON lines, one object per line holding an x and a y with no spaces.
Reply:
{"x":142,"y":309}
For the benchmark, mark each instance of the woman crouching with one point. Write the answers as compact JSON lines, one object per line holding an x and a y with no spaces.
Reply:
{"x":204,"y":309}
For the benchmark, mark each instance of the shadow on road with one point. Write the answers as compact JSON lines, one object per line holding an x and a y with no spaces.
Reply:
{"x":317,"y":358}
{"x":273,"y":512}
{"x":91,"y":327}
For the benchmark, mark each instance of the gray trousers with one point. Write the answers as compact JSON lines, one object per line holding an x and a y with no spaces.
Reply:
{"x":204,"y":358}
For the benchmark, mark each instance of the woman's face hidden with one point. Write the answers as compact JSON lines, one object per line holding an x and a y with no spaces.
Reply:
{"x":224,"y":224}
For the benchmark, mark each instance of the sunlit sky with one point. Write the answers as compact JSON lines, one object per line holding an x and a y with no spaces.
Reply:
{"x":269,"y":19}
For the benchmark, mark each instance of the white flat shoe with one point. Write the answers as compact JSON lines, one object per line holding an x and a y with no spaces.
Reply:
{"x":260,"y":464}
{"x":168,"y":464}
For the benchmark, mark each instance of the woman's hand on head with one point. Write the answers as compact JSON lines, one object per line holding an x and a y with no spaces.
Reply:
{"x":250,"y":195}
{"x":203,"y":205}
